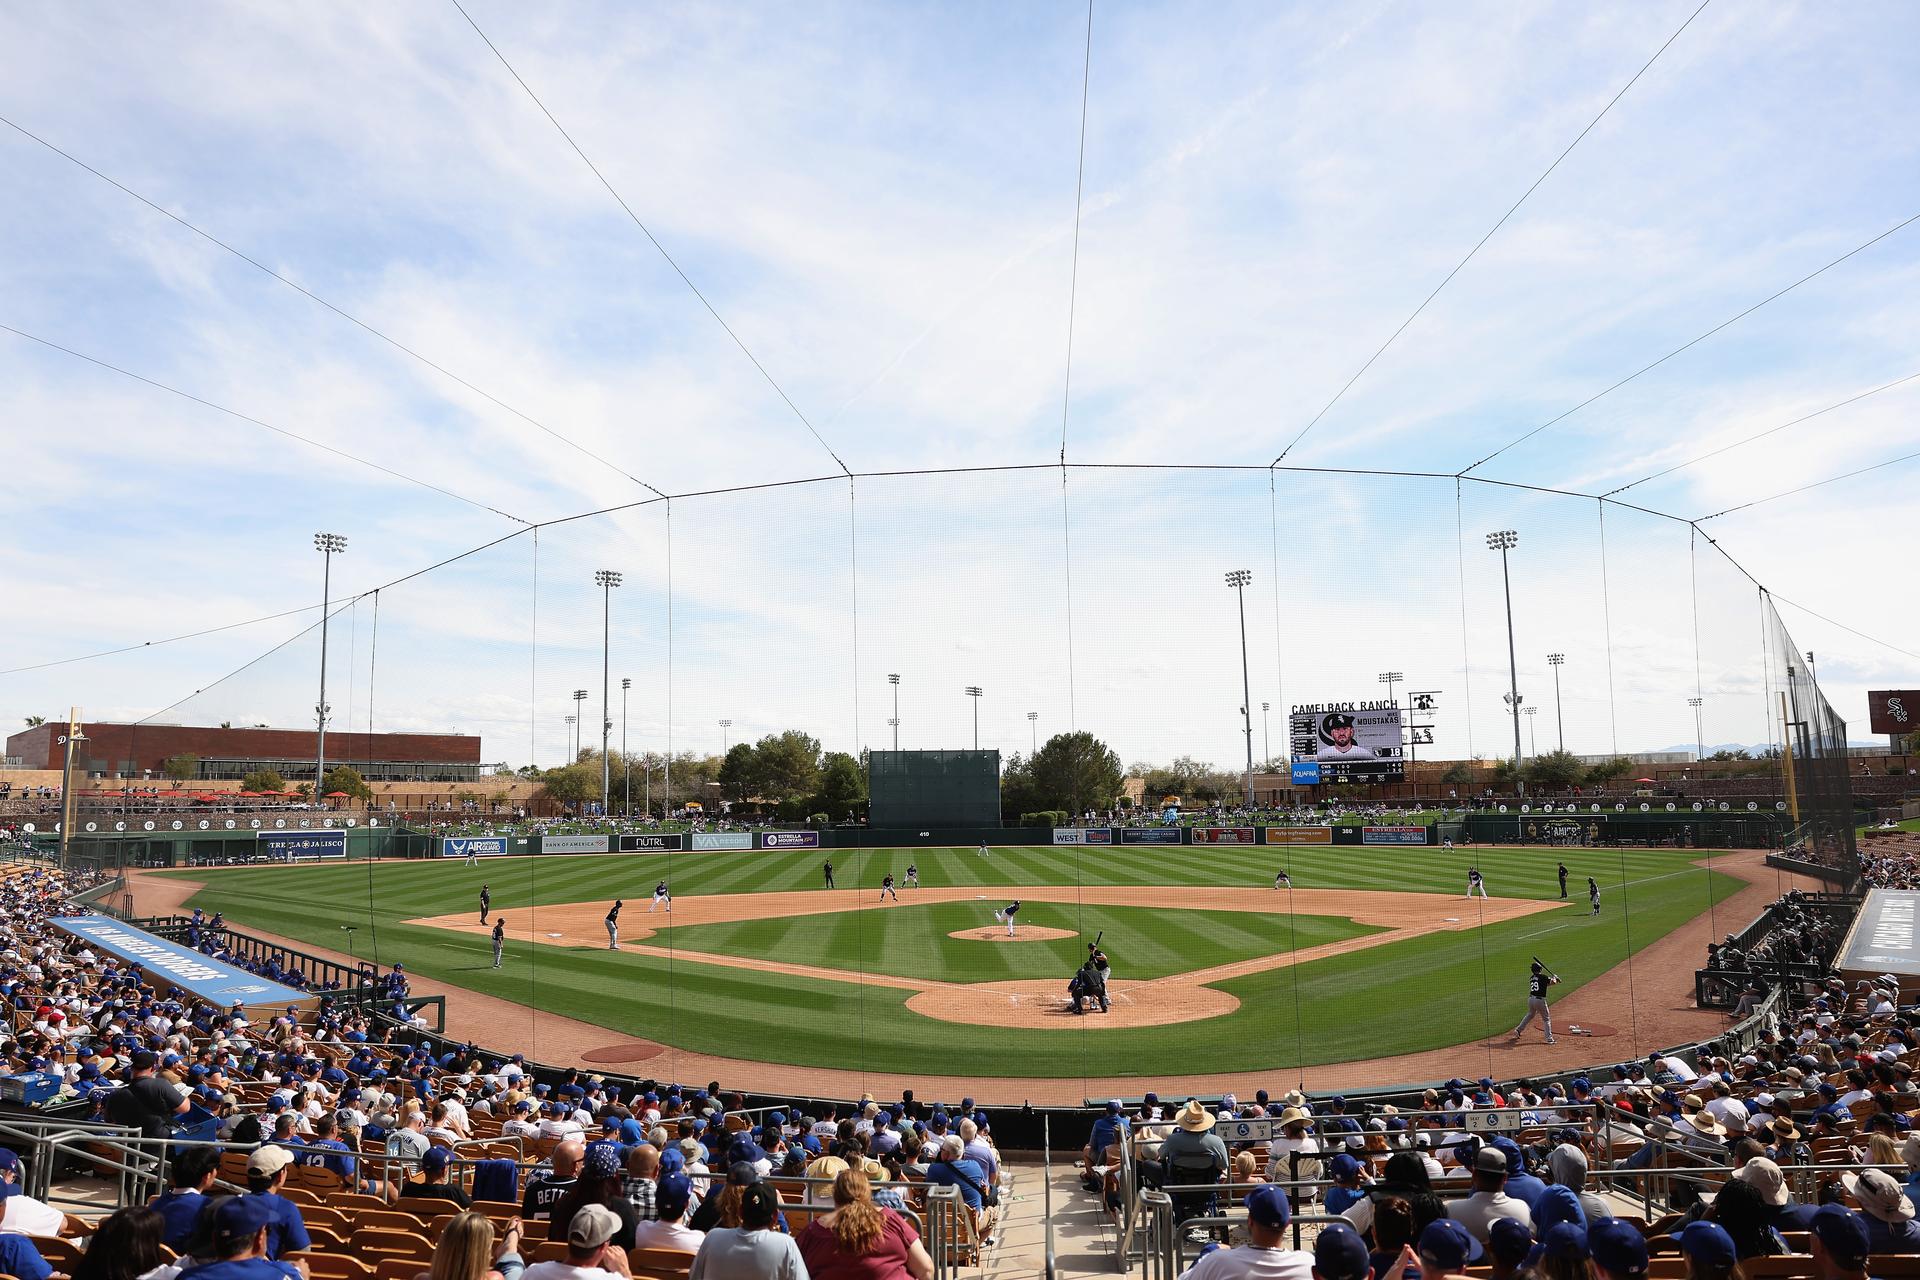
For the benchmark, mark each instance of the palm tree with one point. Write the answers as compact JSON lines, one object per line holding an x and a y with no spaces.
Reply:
{"x":34,"y":722}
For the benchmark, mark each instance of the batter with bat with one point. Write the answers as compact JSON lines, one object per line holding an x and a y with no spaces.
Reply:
{"x":1537,"y":983}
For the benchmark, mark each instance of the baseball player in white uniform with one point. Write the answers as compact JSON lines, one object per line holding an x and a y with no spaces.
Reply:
{"x":1474,"y":881}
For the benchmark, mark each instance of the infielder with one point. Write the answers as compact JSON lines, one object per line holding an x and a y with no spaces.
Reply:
{"x":983,"y":850}
{"x":613,"y":926}
{"x":1537,"y":983}
{"x":1281,"y":880}
{"x":661,"y":897}
{"x":1006,"y":914}
{"x":1475,"y":881}
{"x":499,"y":939}
{"x":473,"y":859}
{"x":886,"y":888}
{"x":826,"y":869}
{"x":913,"y":875}
{"x":486,"y":903}
{"x":1593,"y":896}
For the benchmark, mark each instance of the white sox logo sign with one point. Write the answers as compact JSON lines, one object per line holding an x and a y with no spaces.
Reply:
{"x":1897,"y":711}
{"x":1894,"y":710}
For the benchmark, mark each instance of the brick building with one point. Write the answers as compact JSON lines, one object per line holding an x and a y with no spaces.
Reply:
{"x":142,"y":750}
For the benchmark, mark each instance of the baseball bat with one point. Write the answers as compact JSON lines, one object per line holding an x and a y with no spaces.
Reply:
{"x":1550,"y":973}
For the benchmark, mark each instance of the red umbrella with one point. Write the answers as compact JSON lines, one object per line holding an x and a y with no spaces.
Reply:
{"x":1647,"y":780}
{"x":251,"y":795}
{"x":338,"y":795}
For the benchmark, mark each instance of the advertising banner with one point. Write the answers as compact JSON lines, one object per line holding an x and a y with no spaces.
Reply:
{"x":1099,"y":835}
{"x":1892,"y":711}
{"x":1223,"y":835}
{"x":215,"y":981}
{"x":1306,"y":773}
{"x":723,"y":840}
{"x":789,"y":839}
{"x":1393,"y":835}
{"x":473,"y":846}
{"x":297,"y":845}
{"x":573,"y":844}
{"x":1299,"y":835}
{"x":649,"y":844}
{"x":1150,"y":835}
{"x":1069,"y":835}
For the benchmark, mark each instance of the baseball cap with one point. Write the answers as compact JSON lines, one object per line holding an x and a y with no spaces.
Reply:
{"x":592,"y":1226}
{"x":1343,"y":1166}
{"x":1340,"y":1254}
{"x":1566,"y":1241}
{"x":1509,"y":1240}
{"x":1618,"y":1248}
{"x":1843,"y":1232}
{"x":241,"y":1217}
{"x":436,"y":1159}
{"x":672,"y":1195}
{"x":1267,"y":1205}
{"x":1490,"y":1160}
{"x":1449,"y":1244}
{"x":1707,"y":1241}
{"x":269,"y":1160}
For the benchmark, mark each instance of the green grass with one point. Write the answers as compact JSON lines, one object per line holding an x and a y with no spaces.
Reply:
{"x":1421,"y":994}
{"x":912,"y":941}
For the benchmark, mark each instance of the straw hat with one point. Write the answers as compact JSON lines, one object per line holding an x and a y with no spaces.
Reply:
{"x":1703,"y":1122}
{"x":1194,"y":1118}
{"x":1783,"y":1127}
{"x":1293,"y":1116}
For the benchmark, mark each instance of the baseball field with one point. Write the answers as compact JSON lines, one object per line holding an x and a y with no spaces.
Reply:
{"x":1373,"y":952}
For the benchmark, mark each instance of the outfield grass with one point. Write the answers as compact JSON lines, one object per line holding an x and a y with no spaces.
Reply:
{"x":1421,"y":994}
{"x":911,"y":941}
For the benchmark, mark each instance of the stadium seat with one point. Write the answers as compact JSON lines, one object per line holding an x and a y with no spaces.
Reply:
{"x":61,"y":1254}
{"x":376,"y":1243}
{"x":1786,"y":1266}
{"x":659,"y":1264}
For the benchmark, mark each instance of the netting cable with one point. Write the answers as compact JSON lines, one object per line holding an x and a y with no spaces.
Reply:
{"x":1486,"y":989}
{"x":373,"y":658}
{"x":1626,"y":920}
{"x":1606,"y":622}
{"x":1905,"y":457}
{"x":1066,"y":387}
{"x":1466,"y":661}
{"x":1699,"y":692}
{"x":666,"y":809}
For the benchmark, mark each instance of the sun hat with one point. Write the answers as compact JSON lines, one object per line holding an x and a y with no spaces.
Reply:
{"x":1879,"y":1195}
{"x":1764,"y":1176}
{"x":1195,"y":1118}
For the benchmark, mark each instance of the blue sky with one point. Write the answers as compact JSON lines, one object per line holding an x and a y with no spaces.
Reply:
{"x":880,"y":202}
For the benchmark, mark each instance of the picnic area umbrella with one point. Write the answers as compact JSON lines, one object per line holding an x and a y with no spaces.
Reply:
{"x":338,"y":795}
{"x":1643,"y":780}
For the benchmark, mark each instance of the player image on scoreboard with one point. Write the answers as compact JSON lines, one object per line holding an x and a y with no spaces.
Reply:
{"x":1350,"y":742}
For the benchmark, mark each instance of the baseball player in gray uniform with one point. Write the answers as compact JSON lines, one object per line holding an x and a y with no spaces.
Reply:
{"x":1537,"y":983}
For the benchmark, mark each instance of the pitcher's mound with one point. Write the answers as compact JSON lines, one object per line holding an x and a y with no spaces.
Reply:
{"x":998,"y":933}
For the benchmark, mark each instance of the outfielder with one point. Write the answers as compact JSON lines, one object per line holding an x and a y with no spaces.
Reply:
{"x":1593,"y":896}
{"x":913,"y":875}
{"x":661,"y":898}
{"x":613,"y":926}
{"x":983,"y":850}
{"x":473,"y":859}
{"x":826,"y":869}
{"x":486,"y":903}
{"x":1475,"y":881}
{"x":1537,"y":983}
{"x":886,"y":888}
{"x":1005,"y":915}
{"x":499,"y":939}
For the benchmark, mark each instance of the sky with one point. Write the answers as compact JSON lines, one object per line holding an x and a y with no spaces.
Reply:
{"x":850,"y":239}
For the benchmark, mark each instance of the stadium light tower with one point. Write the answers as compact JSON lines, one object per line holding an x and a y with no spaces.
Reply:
{"x":726,"y":737}
{"x":607,"y":579}
{"x":1556,"y":661}
{"x":1699,"y":734}
{"x":626,"y":761}
{"x":1504,"y":541}
{"x":1390,"y":679}
{"x":327,"y":544}
{"x":1533,"y":743}
{"x":570,"y":733}
{"x":580,"y":722}
{"x":1033,"y":730}
{"x":973,"y":691}
{"x":893,"y":678}
{"x":1238,"y":580}
{"x":1266,"y":735}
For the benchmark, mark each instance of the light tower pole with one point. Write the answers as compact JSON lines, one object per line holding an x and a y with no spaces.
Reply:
{"x":893,"y":678}
{"x":1266,"y":735}
{"x":608,"y":579}
{"x":1033,"y":729}
{"x":973,"y":691}
{"x":570,"y":736}
{"x":1503,"y":541}
{"x":726,"y":741}
{"x":328,"y":545}
{"x":1558,"y":660}
{"x":1238,"y":580}
{"x":1391,"y":679}
{"x":1699,"y":735}
{"x":1533,"y":743}
{"x":580,"y":723}
{"x":626,"y":761}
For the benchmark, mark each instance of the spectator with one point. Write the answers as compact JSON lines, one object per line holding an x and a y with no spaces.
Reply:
{"x":146,"y":1102}
{"x":1265,"y":1255}
{"x":237,"y":1240}
{"x":190,"y":1176}
{"x":643,"y":1174}
{"x":591,"y":1253}
{"x":1509,"y":1244}
{"x":1563,"y":1253}
{"x":433,"y":1184}
{"x":1709,"y":1250}
{"x":468,"y":1251}
{"x":1340,"y":1254}
{"x":1345,"y":1192}
{"x":953,"y":1169}
{"x":754,"y":1250}
{"x":1109,"y":1131}
{"x":1489,"y":1199}
{"x":1446,"y":1249}
{"x":266,"y":1175}
{"x":409,"y":1142}
{"x":1747,"y":1217}
{"x":23,"y":1213}
{"x":668,"y":1228}
{"x":860,"y":1241}
{"x":1567,"y":1165}
{"x":602,"y":1183}
{"x":1839,"y":1244}
{"x":544,"y":1190}
{"x":19,"y":1257}
{"x":1405,"y":1179}
{"x":126,"y":1247}
{"x":1765,"y":1177}
{"x":1889,"y":1214}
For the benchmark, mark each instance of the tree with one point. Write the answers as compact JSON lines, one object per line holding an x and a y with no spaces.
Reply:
{"x":571,"y":783}
{"x":263,"y":780}
{"x":1458,"y":774}
{"x":344,"y":777}
{"x":181,"y":767}
{"x":843,"y":785}
{"x":1734,"y":753}
{"x":1608,"y":770}
{"x":1017,"y":794}
{"x":738,"y":772}
{"x":1558,"y":769}
{"x":34,"y":722}
{"x":1075,"y":771}
{"x":786,"y":765}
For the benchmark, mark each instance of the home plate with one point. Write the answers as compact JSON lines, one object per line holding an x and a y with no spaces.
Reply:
{"x":556,"y":935}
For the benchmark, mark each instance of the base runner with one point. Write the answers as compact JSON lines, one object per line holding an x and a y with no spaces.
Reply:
{"x":886,"y":888}
{"x":613,"y":926}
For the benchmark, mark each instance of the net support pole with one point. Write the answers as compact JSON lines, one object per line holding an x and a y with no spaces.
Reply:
{"x":1786,"y":759}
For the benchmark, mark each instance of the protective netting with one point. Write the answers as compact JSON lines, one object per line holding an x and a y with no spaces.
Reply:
{"x":1816,"y":766}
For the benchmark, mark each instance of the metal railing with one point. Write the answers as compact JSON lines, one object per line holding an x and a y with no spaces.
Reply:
{"x":1048,"y":1267}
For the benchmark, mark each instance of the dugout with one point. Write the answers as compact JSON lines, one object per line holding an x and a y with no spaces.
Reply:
{"x":1576,"y":825}
{"x":933,"y":789}
{"x":1885,"y":938}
